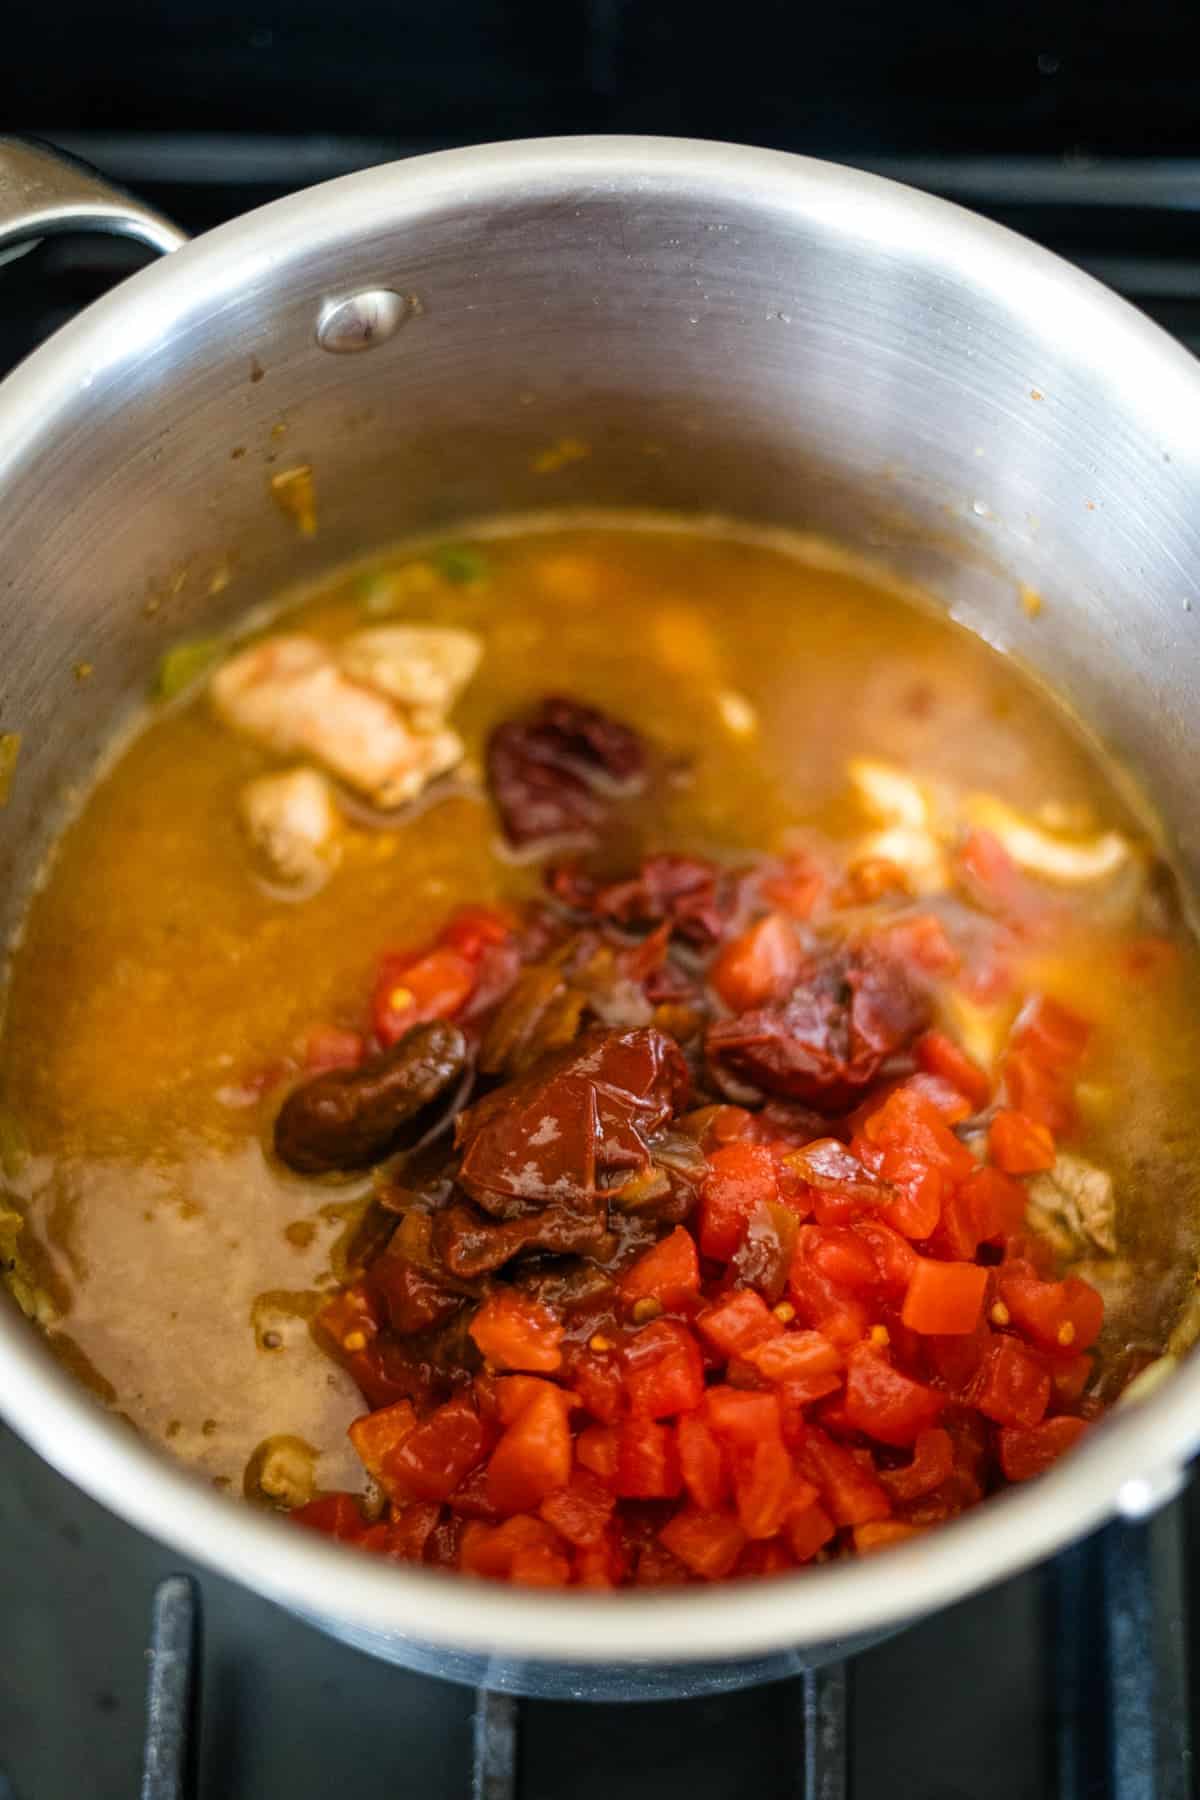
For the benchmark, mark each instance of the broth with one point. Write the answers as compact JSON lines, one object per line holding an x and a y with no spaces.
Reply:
{"x":158,"y":982}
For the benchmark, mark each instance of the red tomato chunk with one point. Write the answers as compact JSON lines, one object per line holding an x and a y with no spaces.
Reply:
{"x":651,"y":1322}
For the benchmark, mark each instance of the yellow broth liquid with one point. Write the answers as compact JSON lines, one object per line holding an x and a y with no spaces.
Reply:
{"x":157,"y":975}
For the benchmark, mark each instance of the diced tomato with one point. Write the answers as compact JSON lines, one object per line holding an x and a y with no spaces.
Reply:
{"x":410,"y":1528}
{"x":471,"y":1499}
{"x":761,"y":966}
{"x":989,"y":874}
{"x":444,"y":1545}
{"x":513,"y":1393}
{"x":948,"y":1101}
{"x":533,"y":1457}
{"x":702,"y":1463}
{"x":595,"y":1375}
{"x":600,"y":1565}
{"x":894,"y":1255}
{"x":1019,"y":1145}
{"x":939,"y":1055}
{"x":956,"y":1361}
{"x":944,"y":1297}
{"x":664,"y":1370}
{"x":337,"y":1515}
{"x":850,"y":1494}
{"x":884,"y":1404}
{"x":739,"y":1176}
{"x":1038,"y":1092}
{"x":647,"y":1461}
{"x":932,"y":1464}
{"x":669,"y":1272}
{"x":708,"y":1543}
{"x":762,"y":1484}
{"x":581,"y":1511}
{"x":840,"y":1255}
{"x":882,"y":1533}
{"x":907,"y":1122}
{"x":803,"y":1360}
{"x":821,"y":1303}
{"x":795,"y":887}
{"x":920,"y":940}
{"x":413,"y":990}
{"x":1057,"y":1315}
{"x":769,"y":1556}
{"x":1012,"y":1387}
{"x":737,"y":1322}
{"x":514,"y":1331}
{"x":377,"y":1435}
{"x":1029,"y":1452}
{"x":1053,"y":1034}
{"x":917,"y":1208}
{"x":808,"y":1531}
{"x":435,"y":1457}
{"x":997,"y":1204}
{"x":741,"y":1419}
{"x":597,"y":1448}
{"x":492,"y":1549}
{"x":473,"y":929}
{"x":1070,"y":1375}
{"x":329,"y":1047}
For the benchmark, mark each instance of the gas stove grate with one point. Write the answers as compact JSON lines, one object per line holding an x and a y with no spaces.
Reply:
{"x":1119,"y":1660}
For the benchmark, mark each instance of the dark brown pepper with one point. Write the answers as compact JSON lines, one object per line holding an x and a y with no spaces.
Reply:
{"x":350,"y":1118}
{"x":554,"y":774}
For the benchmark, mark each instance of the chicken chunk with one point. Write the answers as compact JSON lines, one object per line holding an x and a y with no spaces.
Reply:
{"x":293,"y":822}
{"x":424,"y":667}
{"x":289,"y":693}
{"x":1081,"y":1196}
{"x":905,"y":812}
{"x":1065,"y":860}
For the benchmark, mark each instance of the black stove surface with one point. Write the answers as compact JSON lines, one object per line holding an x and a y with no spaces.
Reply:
{"x":1003,"y":1697}
{"x":1070,"y":1681}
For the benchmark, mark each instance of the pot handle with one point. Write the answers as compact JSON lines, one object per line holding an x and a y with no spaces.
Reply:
{"x":44,"y":192}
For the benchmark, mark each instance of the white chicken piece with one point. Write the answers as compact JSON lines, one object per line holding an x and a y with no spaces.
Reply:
{"x":293,"y":822}
{"x":1081,"y":1196}
{"x":907,"y":837}
{"x":289,"y":693}
{"x":1066,"y":860}
{"x":424,"y":667}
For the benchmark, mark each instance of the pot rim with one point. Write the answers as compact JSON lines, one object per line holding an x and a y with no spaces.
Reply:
{"x":1129,"y":1464}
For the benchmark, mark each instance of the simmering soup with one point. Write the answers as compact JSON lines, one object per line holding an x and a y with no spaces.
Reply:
{"x":604,"y":1052}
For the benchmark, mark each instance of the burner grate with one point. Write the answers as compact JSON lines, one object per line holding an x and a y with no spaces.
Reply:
{"x":1116,"y":1616}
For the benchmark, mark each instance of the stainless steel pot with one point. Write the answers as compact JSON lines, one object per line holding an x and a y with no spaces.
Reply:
{"x":724,"y":329}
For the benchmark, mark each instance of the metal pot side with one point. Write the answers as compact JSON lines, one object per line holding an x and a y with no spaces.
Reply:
{"x":706,"y":329}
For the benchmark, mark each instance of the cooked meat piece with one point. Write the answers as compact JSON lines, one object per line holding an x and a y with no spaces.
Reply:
{"x":1082,"y":1196}
{"x":557,"y":1135}
{"x":554,"y":775}
{"x":292,"y":821}
{"x":350,"y":1118}
{"x":424,"y":667}
{"x":829,"y":1040}
{"x":289,"y":693}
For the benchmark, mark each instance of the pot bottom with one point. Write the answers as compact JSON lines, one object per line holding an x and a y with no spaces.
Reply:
{"x":592,"y":1681}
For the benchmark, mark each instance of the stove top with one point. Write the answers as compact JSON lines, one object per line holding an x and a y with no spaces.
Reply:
{"x":1070,"y":1681}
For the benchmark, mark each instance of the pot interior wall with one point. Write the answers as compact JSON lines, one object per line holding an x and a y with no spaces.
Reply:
{"x":710,"y":351}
